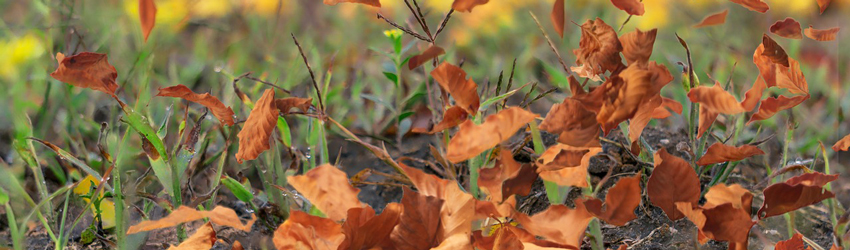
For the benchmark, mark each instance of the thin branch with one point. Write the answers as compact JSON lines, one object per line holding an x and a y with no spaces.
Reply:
{"x":419,"y":20}
{"x":406,"y":30}
{"x":312,"y":76}
{"x":422,"y":16}
{"x":624,"y":24}
{"x":443,"y":24}
{"x":551,"y":45}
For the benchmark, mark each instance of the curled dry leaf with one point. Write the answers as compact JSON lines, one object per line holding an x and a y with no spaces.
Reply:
{"x":637,"y":45}
{"x":451,"y":118}
{"x":795,"y":193}
{"x":754,"y":5}
{"x":304,"y":231}
{"x":620,"y":202}
{"x":464,"y":91}
{"x":203,"y":238}
{"x":662,"y":112}
{"x":787,"y":28}
{"x":599,"y":48}
{"x":719,"y":152}
{"x":426,"y":184}
{"x":772,"y":68}
{"x":773,"y":105}
{"x":219,"y":216}
{"x":706,"y":119}
{"x":419,"y":223}
{"x":842,"y":145}
{"x":147,"y":16}
{"x":641,"y":119}
{"x":716,"y":99}
{"x":375,"y":3}
{"x":456,"y":215}
{"x":633,"y":7}
{"x":432,"y":52}
{"x":328,"y":189}
{"x":673,"y":180}
{"x":364,"y":230}
{"x":558,"y":18}
{"x":625,"y":93}
{"x":774,"y":51}
{"x":223,"y":113}
{"x":87,"y":70}
{"x":822,"y":4}
{"x":575,"y":125}
{"x":549,"y":224}
{"x":566,"y":165}
{"x":724,"y":217}
{"x":471,"y":140}
{"x":467,"y":5}
{"x":734,"y":194}
{"x":713,"y":19}
{"x":794,"y":243}
{"x":254,"y":136}
{"x":505,"y":236}
{"x":821,"y":35}
{"x":753,"y":95}
{"x":492,"y":180}
{"x":286,"y":104}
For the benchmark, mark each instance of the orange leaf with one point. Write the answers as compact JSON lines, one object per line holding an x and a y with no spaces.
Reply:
{"x":456,"y":215}
{"x":620,"y":202}
{"x":642,"y":118}
{"x":823,"y":4}
{"x":773,"y":105}
{"x":715,"y":99}
{"x":632,"y":7}
{"x":637,"y":45}
{"x":432,"y":52}
{"x":87,"y":70}
{"x":254,"y":136}
{"x":753,"y":95}
{"x":467,"y":5}
{"x":719,"y":152}
{"x":464,"y":91}
{"x":774,"y":51}
{"x":285,"y":104}
{"x":147,"y":16}
{"x":842,"y":145}
{"x":374,"y":3}
{"x":795,"y":243}
{"x":788,"y":28}
{"x":491,"y":179}
{"x":721,"y":223}
{"x":419,"y":224}
{"x":795,"y":193}
{"x":471,"y":140}
{"x":713,"y":19}
{"x":734,"y":194}
{"x":599,"y":48}
{"x":487,"y":209}
{"x":223,"y":113}
{"x":575,"y":124}
{"x":549,"y":224}
{"x":328,"y":189}
{"x":662,"y":111}
{"x":203,"y":238}
{"x":566,"y":165}
{"x":219,"y":215}
{"x":673,"y":180}
{"x":624,"y":93}
{"x":754,"y":5}
{"x":776,"y":74}
{"x":304,"y":231}
{"x":364,"y":230}
{"x":821,"y":35}
{"x":451,"y":118}
{"x":706,"y":119}
{"x":426,"y":184}
{"x":558,"y":18}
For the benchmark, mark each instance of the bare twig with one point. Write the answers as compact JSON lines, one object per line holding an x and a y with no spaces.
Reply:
{"x":624,"y":24}
{"x":406,"y":30}
{"x":443,"y":24}
{"x":551,"y":45}
{"x":312,"y":76}
{"x":419,"y":19}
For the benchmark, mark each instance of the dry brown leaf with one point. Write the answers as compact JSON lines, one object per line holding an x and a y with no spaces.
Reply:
{"x":285,"y":104}
{"x":566,"y":165}
{"x":625,"y":93}
{"x":364,"y":230}
{"x":472,"y":140}
{"x":467,"y":5}
{"x":147,"y":16}
{"x":754,"y":5}
{"x":419,"y":223}
{"x":219,"y":215}
{"x":451,"y":118}
{"x":637,"y":45}
{"x":328,"y":189}
{"x":453,"y":79}
{"x":223,"y":113}
{"x":203,"y":239}
{"x":673,"y":180}
{"x":491,"y":180}
{"x":599,"y":48}
{"x":795,"y":243}
{"x":666,"y":103}
{"x":558,"y":18}
{"x":713,"y":19}
{"x":426,"y":184}
{"x":795,"y":193}
{"x":641,"y":118}
{"x":620,"y":202}
{"x":374,"y":3}
{"x":716,"y":99}
{"x":308,"y":232}
{"x":87,"y":70}
{"x":432,"y":52}
{"x":822,"y":4}
{"x":721,"y":223}
{"x":549,"y":223}
{"x":753,"y":95}
{"x":575,"y":125}
{"x":842,"y":145}
{"x":456,"y":215}
{"x":774,"y":74}
{"x":632,"y":7}
{"x":488,"y":209}
{"x":706,"y":119}
{"x":254,"y":136}
{"x":719,"y":152}
{"x":734,"y":194}
{"x":773,"y":105}
{"x":787,"y":28}
{"x":237,"y":246}
{"x":822,"y":35}
{"x":774,"y":51}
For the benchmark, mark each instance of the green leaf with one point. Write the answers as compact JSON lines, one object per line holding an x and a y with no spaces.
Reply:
{"x":238,"y":190}
{"x":4,"y":197}
{"x":392,"y":77}
{"x":494,"y":99}
{"x":285,"y":134}
{"x":405,"y":114}
{"x":64,"y":155}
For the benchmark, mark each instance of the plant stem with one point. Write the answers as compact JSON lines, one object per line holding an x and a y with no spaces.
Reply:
{"x":789,"y":137}
{"x":552,"y":191}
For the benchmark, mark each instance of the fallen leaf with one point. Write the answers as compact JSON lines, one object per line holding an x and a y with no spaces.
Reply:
{"x":451,"y":118}
{"x":788,"y":28}
{"x":637,"y":45}
{"x":558,"y":18}
{"x":328,"y":189}
{"x":719,"y":152}
{"x":626,"y":92}
{"x":773,"y":105}
{"x":237,"y":246}
{"x":432,"y":52}
{"x":753,"y":95}
{"x":219,"y":215}
{"x":308,"y":232}
{"x":453,"y":79}
{"x":620,"y":202}
{"x":419,"y":222}
{"x":575,"y":125}
{"x":456,"y":215}
{"x":775,"y":74}
{"x":204,"y":238}
{"x":374,"y":3}
{"x":794,"y":243}
{"x":673,"y":180}
{"x":426,"y":184}
{"x":795,"y":193}
{"x":721,"y":223}
{"x":774,"y":51}
{"x":641,"y":119}
{"x":632,"y":7}
{"x":734,"y":194}
{"x":822,"y":4}
{"x":566,"y":165}
{"x":713,"y":19}
{"x":147,"y":16}
{"x":364,"y":230}
{"x":715,"y":99}
{"x":254,"y":136}
{"x":599,"y":47}
{"x":488,"y":209}
{"x":491,"y":180}
{"x":286,"y":104}
{"x":821,"y":35}
{"x":467,"y":5}
{"x":754,"y":5}
{"x":706,"y":119}
{"x":471,"y":140}
{"x":87,"y":70}
{"x":223,"y":113}
{"x":550,"y":223}
{"x":842,"y":145}
{"x":662,"y":111}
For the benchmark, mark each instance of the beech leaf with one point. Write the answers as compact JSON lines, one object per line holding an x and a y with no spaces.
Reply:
{"x":620,"y":202}
{"x":713,"y":19}
{"x":147,"y":16}
{"x":219,"y":215}
{"x":673,"y":180}
{"x":453,"y":79}
{"x":795,"y":193}
{"x":842,"y":145}
{"x":632,"y":7}
{"x":719,"y":152}
{"x":223,"y":113}
{"x":821,"y":35}
{"x":432,"y":52}
{"x":787,"y":28}
{"x":255,"y":133}
{"x":754,"y":5}
{"x":328,"y":189}
{"x":87,"y":70}
{"x":374,"y":3}
{"x":471,"y":140}
{"x":203,"y":238}
{"x":304,"y":231}
{"x":467,"y":5}
{"x":558,"y":18}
